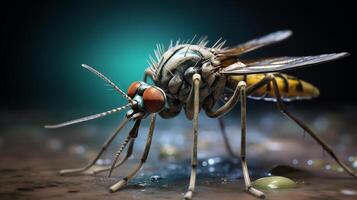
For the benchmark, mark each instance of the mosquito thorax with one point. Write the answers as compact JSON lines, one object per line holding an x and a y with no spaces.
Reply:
{"x":176,"y":67}
{"x":147,"y":98}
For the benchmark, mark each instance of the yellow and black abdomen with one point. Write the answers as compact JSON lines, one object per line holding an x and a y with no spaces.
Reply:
{"x":291,"y":88}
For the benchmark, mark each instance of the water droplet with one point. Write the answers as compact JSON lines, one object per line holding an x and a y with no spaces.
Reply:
{"x":211,"y":169}
{"x":142,"y":184}
{"x":211,"y":161}
{"x":274,"y":182}
{"x":77,"y":149}
{"x":100,"y":162}
{"x":354,"y":165}
{"x":105,"y":161}
{"x":349,"y":192}
{"x":155,"y":178}
{"x":217,"y":159}
{"x":224,"y":180}
{"x":169,"y":152}
{"x":295,"y":162}
{"x":204,"y":163}
{"x":351,"y":158}
{"x":328,"y":167}
{"x":310,"y":162}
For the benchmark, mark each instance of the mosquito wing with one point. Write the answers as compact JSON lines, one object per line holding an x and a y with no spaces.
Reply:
{"x":279,"y":64}
{"x":256,"y":43}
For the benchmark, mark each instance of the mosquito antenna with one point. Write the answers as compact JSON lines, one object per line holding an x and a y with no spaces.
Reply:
{"x":87,"y":118}
{"x":91,"y":69}
{"x":132,"y":134}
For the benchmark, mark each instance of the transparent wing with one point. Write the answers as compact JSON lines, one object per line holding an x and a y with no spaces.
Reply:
{"x":280,"y":64}
{"x":256,"y":43}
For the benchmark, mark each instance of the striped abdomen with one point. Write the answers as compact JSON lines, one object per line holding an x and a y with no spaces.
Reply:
{"x":291,"y":88}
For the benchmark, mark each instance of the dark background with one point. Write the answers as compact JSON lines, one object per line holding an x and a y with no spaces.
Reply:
{"x":43,"y":44}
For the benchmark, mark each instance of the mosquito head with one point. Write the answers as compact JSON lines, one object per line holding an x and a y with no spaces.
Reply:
{"x":147,"y":98}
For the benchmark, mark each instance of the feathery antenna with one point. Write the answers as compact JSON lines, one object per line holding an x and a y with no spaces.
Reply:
{"x":87,"y":118}
{"x":122,"y":147}
{"x":91,"y":69}
{"x":132,"y":134}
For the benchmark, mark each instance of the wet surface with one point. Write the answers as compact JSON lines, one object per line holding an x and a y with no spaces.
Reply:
{"x":31,"y":157}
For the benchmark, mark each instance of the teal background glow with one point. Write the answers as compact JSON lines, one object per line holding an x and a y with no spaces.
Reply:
{"x":44,"y":43}
{"x":116,"y":39}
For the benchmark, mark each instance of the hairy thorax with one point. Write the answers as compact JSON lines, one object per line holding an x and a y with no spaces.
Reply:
{"x":174,"y":75}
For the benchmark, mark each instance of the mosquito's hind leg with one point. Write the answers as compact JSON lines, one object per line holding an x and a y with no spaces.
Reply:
{"x":248,"y":185}
{"x":319,"y":140}
{"x":225,"y":139}
{"x":104,"y":147}
{"x":124,"y":181}
{"x":196,"y":79}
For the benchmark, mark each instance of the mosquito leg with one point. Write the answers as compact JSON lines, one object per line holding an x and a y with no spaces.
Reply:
{"x":319,"y":140}
{"x":196,"y":79}
{"x":148,"y":73}
{"x":104,"y":147}
{"x":123,"y":181}
{"x":248,"y":184}
{"x":129,"y":152}
{"x":225,"y":139}
{"x":225,"y":108}
{"x":235,"y":98}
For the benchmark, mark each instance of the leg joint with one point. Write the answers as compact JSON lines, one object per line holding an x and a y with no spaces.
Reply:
{"x":242,"y":84}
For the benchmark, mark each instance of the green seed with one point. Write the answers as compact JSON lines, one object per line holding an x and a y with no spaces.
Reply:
{"x":274,"y":182}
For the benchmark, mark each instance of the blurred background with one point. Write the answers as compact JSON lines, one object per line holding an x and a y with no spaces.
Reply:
{"x":43,"y":44}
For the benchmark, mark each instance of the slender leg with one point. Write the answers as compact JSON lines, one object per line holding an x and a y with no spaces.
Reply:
{"x":319,"y":140}
{"x":196,"y":103}
{"x":129,"y":152}
{"x":225,"y":108}
{"x":148,"y":73}
{"x":123,"y":182}
{"x":248,"y":184}
{"x":225,"y":139}
{"x":104,"y":147}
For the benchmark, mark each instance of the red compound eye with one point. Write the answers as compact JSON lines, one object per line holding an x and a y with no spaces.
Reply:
{"x":133,"y":88}
{"x":154,"y":99}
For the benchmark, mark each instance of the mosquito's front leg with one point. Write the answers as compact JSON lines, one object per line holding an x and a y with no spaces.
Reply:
{"x":104,"y":147}
{"x":247,"y":182}
{"x":196,"y":79}
{"x":148,"y":73}
{"x":124,"y":181}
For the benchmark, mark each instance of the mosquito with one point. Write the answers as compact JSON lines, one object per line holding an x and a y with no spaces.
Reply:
{"x":194,"y":77}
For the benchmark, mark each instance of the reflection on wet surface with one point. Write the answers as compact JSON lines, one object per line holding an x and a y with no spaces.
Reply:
{"x":31,"y":157}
